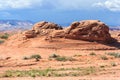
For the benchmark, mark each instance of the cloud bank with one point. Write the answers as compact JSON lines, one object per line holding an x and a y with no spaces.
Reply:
{"x":112,"y":5}
{"x":18,"y":4}
{"x":46,"y":4}
{"x":70,"y":4}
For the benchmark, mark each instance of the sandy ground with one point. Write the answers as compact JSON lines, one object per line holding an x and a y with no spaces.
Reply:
{"x":65,"y":78}
{"x":13,"y":51}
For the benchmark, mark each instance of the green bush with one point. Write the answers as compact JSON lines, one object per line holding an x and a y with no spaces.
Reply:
{"x":36,"y":56}
{"x":63,"y":58}
{"x":53,"y":56}
{"x":92,"y":54}
{"x":77,"y":55}
{"x":104,"y":57}
{"x":1,"y":41}
{"x":116,"y":55}
{"x":4,"y":36}
{"x":71,"y":72}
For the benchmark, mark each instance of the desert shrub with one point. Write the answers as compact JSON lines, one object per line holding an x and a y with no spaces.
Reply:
{"x":36,"y":56}
{"x":113,"y":64}
{"x":102,"y":66}
{"x":63,"y":58}
{"x":25,"y":58}
{"x":1,"y":41}
{"x":53,"y":56}
{"x":4,"y":36}
{"x":71,"y":59}
{"x":51,"y":72}
{"x":31,"y":73}
{"x":7,"y":74}
{"x":60,"y":58}
{"x":88,"y":71}
{"x":92,"y":53}
{"x":77,"y":55}
{"x":116,"y":55}
{"x":104,"y":57}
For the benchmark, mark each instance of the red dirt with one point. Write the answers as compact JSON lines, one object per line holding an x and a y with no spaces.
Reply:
{"x":13,"y":51}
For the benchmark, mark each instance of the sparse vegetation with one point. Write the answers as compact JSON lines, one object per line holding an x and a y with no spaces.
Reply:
{"x":51,"y":72}
{"x":36,"y":56}
{"x":92,"y":54}
{"x":1,"y":41}
{"x":25,"y":58}
{"x":61,"y":58}
{"x":4,"y":36}
{"x":116,"y":55}
{"x":77,"y":55}
{"x":102,"y":66}
{"x":113,"y":64}
{"x":53,"y":56}
{"x":103,"y":57}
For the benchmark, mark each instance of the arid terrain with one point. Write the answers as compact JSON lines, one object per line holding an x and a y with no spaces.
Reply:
{"x":59,"y":58}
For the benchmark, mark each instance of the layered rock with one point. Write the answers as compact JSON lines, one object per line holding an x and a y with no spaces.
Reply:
{"x":45,"y":25}
{"x":42,"y":28}
{"x":89,"y":30}
{"x":29,"y":34}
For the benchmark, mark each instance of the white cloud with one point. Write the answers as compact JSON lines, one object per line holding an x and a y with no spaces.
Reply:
{"x":70,"y":4}
{"x":56,"y":4}
{"x":113,"y":5}
{"x":18,"y":4}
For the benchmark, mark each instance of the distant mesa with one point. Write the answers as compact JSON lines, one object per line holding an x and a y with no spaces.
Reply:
{"x":88,"y":30}
{"x":11,"y":25}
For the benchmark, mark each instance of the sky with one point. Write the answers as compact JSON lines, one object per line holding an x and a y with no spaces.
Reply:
{"x":61,"y":11}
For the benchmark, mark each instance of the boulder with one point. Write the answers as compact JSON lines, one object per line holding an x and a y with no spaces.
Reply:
{"x":41,"y":29}
{"x":89,"y":30}
{"x":57,"y":34}
{"x":118,"y":34}
{"x":29,"y":34}
{"x":45,"y":25}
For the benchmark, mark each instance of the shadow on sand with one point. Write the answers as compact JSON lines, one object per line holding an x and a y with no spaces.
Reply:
{"x":113,"y":43}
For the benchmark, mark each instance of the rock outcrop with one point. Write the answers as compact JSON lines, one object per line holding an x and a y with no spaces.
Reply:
{"x":89,"y":30}
{"x":29,"y":34}
{"x":42,"y":28}
{"x":45,"y":25}
{"x":118,"y":34}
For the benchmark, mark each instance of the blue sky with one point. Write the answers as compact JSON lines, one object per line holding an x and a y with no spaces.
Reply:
{"x":61,"y":11}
